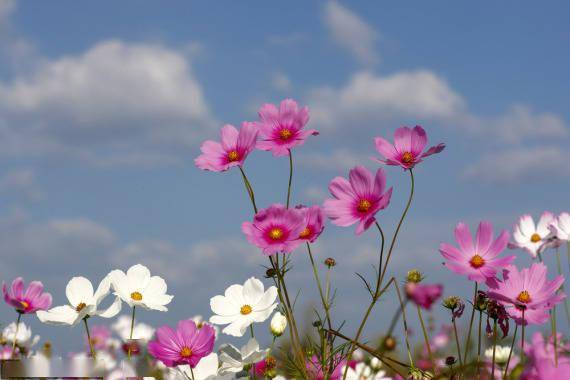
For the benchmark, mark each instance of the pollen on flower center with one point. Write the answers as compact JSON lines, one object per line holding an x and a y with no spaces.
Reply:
{"x":24,"y":304}
{"x":285,"y":134}
{"x":523,"y":297}
{"x":275,"y":233}
{"x":245,"y":310}
{"x":407,"y":157}
{"x":136,"y":296}
{"x":186,"y":352}
{"x":233,"y":156}
{"x":80,"y":307}
{"x":535,"y":238}
{"x":305,"y":233}
{"x":477,"y":261}
{"x":364,"y":205}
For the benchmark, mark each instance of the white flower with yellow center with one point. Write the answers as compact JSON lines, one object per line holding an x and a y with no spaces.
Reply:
{"x":501,"y":354}
{"x":137,"y":288}
{"x":242,"y":305}
{"x":83,"y":303}
{"x":532,"y":237}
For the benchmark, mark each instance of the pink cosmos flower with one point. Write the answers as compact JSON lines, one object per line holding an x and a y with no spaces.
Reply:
{"x":231,"y":151}
{"x":423,"y":295}
{"x":528,"y":290}
{"x":26,"y":301}
{"x":275,"y":229}
{"x":282,"y":129}
{"x":100,"y":336}
{"x":540,"y":357}
{"x":185,"y":345}
{"x":477,"y":260}
{"x":408,"y":147}
{"x":313,"y":223}
{"x":531,"y":237}
{"x":315,"y":370}
{"x":357,"y":199}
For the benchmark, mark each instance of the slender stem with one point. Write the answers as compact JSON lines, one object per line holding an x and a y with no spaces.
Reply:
{"x":426,"y":339}
{"x":251,"y":330}
{"x":470,"y":323}
{"x":511,"y":352}
{"x":522,"y":337}
{"x":290,"y":178}
{"x":559,"y":267}
{"x":479,"y":345}
{"x":248,"y":188}
{"x":457,"y":343}
{"x":16,"y":334}
{"x":494,"y":349}
{"x":131,"y":334}
{"x":318,"y":281}
{"x":393,"y":323}
{"x":192,"y":372}
{"x":404,"y":319}
{"x":554,"y":334}
{"x":89,"y":338}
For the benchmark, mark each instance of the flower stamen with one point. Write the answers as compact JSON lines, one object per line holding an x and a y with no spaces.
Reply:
{"x":245,"y":310}
{"x":80,"y":307}
{"x":364,"y":205}
{"x":477,"y":261}
{"x":136,"y":296}
{"x":233,"y":156}
{"x":275,"y":233}
{"x":535,"y":238}
{"x":24,"y":304}
{"x":305,"y":233}
{"x":285,"y":134}
{"x":524,"y":297}
{"x":407,"y":157}
{"x":186,"y":352}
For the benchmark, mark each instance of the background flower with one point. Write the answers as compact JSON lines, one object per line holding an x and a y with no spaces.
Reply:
{"x":529,"y":236}
{"x":233,"y":360}
{"x":26,"y":301}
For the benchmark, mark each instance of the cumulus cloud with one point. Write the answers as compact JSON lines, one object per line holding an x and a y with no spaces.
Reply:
{"x":281,"y":82}
{"x":351,"y":32}
{"x":113,"y":101}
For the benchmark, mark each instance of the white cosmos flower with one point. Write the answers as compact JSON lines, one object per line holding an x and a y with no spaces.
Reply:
{"x":363,"y":372}
{"x":206,"y":369}
{"x":240,"y":306}
{"x":501,"y":354}
{"x":138,"y":288}
{"x":233,"y":360}
{"x":532,"y":237}
{"x":199,"y":321}
{"x":561,"y":227}
{"x":83,"y":302}
{"x":24,"y":337}
{"x":141,"y":331}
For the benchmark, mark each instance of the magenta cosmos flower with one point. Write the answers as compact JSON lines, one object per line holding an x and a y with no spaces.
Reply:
{"x":423,"y":295}
{"x":313,"y":221}
{"x":282,"y":129}
{"x":275,"y":229}
{"x":185,"y":345}
{"x":26,"y":301}
{"x":357,"y":199}
{"x":408,"y":147}
{"x":528,"y":290}
{"x":231,"y":151}
{"x":477,"y":260}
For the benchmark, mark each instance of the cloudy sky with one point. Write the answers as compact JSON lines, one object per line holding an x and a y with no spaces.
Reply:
{"x":103,"y":107}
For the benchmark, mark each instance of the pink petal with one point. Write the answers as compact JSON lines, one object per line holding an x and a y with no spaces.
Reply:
{"x":361,"y":181}
{"x":419,"y":140}
{"x":385,"y":148}
{"x":464,"y":239}
{"x":484,"y":237}
{"x":403,"y":139}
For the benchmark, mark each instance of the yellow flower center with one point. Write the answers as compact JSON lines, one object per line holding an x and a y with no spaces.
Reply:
{"x":233,"y":156}
{"x":136,"y":296}
{"x":80,"y":307}
{"x":407,"y":157}
{"x":285,"y":134}
{"x":524,"y":297}
{"x":477,"y":261}
{"x":24,"y":304}
{"x":535,"y":238}
{"x":364,"y":205}
{"x":305,"y":233}
{"x":186,"y":352}
{"x":245,"y":310}
{"x":275,"y":233}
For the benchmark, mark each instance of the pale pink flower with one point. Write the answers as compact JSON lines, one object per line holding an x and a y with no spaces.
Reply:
{"x":531,"y":237}
{"x":26,"y":301}
{"x":423,"y":295}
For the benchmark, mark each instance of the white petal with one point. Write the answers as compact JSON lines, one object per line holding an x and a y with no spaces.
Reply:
{"x":223,"y":319}
{"x":237,"y":327}
{"x":59,"y":315}
{"x":102,"y":290}
{"x":138,"y":276}
{"x":156,"y":286}
{"x":261,"y":316}
{"x":234,"y":294}
{"x":527,"y":225}
{"x":112,"y":310}
{"x":79,"y":289}
{"x":208,"y":366}
{"x":545,"y":219}
{"x":252,"y":291}
{"x":250,"y":347}
{"x":222,"y":306}
{"x":267,"y":299}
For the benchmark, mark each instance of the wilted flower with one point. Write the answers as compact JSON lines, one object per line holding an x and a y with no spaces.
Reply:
{"x":278,"y":324}
{"x":26,"y":301}
{"x":408,"y":147}
{"x":266,"y":368}
{"x":423,"y":295}
{"x":185,"y":345}
{"x":528,"y":290}
{"x":498,"y":313}
{"x":233,"y":360}
{"x":529,"y":236}
{"x":313,"y":223}
{"x":232,"y":151}
{"x":281,"y":129}
{"x":275,"y":229}
{"x":242,"y":305}
{"x":561,"y":227}
{"x":477,"y":260}
{"x":456,"y":305}
{"x":83,"y":302}
{"x":357,"y":199}
{"x":138,"y":288}
{"x":330,"y":262}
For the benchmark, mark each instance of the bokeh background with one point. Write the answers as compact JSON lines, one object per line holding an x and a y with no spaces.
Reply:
{"x":103,"y":106}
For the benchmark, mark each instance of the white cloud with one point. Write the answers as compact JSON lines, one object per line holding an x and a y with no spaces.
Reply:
{"x":21,"y":182}
{"x":351,"y":32}
{"x":281,"y":82}
{"x":521,"y":164}
{"x":115,"y":99}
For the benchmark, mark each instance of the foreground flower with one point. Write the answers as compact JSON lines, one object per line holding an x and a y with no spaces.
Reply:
{"x":357,"y":199}
{"x":529,"y":236}
{"x":408,"y":147}
{"x":83,"y":303}
{"x":242,"y":305}
{"x":423,"y":295}
{"x":232,"y":151}
{"x":477,"y":260}
{"x":206,"y":369}
{"x":528,"y":291}
{"x":540,"y":354}
{"x":185,"y":345}
{"x":22,"y":335}
{"x":137,"y":288}
{"x":233,"y":360}
{"x":26,"y":301}
{"x":312,"y":221}
{"x":275,"y":229}
{"x":281,"y":129}
{"x":561,"y":227}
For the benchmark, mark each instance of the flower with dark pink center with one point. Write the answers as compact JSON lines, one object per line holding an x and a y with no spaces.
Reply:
{"x":408,"y":147}
{"x":313,"y":222}
{"x":26,"y":301}
{"x":357,"y":199}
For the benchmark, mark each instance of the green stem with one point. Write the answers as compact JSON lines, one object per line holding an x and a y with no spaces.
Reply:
{"x":554,"y":334}
{"x":479,"y":345}
{"x":290,"y":178}
{"x":457,"y":343}
{"x":192,"y":373}
{"x":426,"y":340}
{"x":470,"y":323}
{"x":522,"y":338}
{"x":494,"y":349}
{"x":16,"y":334}
{"x":324,"y":301}
{"x":131,"y":334}
{"x":89,"y":338}
{"x":511,"y":352}
{"x":251,"y":330}
{"x":248,"y":188}
{"x":405,"y":321}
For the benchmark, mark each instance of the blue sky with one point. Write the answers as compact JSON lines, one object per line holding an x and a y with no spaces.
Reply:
{"x":103,"y":107}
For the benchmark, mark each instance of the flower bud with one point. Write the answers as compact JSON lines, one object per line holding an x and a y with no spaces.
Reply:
{"x":389,"y":343}
{"x":375,"y":364}
{"x":451,"y":302}
{"x":330,"y":262}
{"x":414,"y":275}
{"x":450,"y":360}
{"x":278,"y":324}
{"x":270,"y":273}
